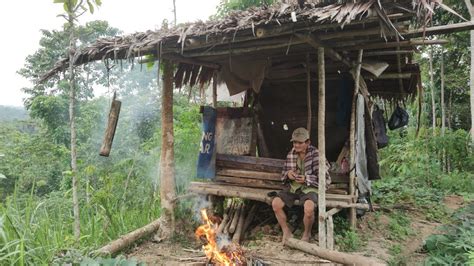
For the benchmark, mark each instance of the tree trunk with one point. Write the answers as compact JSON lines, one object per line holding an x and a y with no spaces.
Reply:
{"x":443,"y":104}
{"x":167,"y":182}
{"x":72,"y":121}
{"x":471,"y":12}
{"x":174,"y":12}
{"x":433,"y":103}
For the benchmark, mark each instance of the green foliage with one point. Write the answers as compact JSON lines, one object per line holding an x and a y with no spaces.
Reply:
{"x":226,"y":6}
{"x":456,"y":244}
{"x":413,"y":168}
{"x":12,"y":113}
{"x":399,"y":226}
{"x":346,"y":239}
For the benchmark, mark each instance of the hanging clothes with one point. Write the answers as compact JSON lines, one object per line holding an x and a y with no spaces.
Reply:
{"x":363,"y":182}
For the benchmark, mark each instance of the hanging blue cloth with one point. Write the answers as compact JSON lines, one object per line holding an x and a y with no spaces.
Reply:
{"x":206,"y":167}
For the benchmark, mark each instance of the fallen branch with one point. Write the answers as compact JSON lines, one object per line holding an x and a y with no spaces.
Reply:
{"x":128,"y":239}
{"x":331,"y":255}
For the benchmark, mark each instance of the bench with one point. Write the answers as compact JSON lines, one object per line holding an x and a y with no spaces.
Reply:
{"x":252,"y":178}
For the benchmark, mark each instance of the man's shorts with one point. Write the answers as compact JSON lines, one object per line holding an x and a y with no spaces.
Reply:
{"x":289,"y":198}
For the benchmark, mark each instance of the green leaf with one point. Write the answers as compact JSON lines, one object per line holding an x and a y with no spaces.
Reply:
{"x":91,"y":7}
{"x":58,"y":1}
{"x":2,"y":176}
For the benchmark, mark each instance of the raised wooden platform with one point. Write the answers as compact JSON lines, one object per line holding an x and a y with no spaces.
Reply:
{"x":261,"y":194}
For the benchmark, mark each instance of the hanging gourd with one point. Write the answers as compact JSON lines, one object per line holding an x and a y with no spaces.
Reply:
{"x":111,"y":126}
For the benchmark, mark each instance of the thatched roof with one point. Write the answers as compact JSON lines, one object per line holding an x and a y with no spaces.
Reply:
{"x":277,"y":31}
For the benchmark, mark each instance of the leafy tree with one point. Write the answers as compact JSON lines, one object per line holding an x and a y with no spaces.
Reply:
{"x":74,"y":10}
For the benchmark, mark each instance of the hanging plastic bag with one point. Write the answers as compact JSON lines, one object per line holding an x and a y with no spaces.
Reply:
{"x":398,"y":119}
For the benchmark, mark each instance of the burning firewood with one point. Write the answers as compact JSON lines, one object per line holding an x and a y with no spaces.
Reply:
{"x":218,"y":250}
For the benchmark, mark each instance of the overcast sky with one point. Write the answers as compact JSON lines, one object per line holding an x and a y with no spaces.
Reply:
{"x":21,"y":21}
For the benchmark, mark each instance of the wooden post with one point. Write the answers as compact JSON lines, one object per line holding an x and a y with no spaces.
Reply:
{"x":352,"y":177}
{"x":322,"y":150}
{"x":214,"y":90}
{"x":308,"y":94}
{"x":167,"y":182}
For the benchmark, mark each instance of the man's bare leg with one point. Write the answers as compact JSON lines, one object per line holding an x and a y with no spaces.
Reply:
{"x":278,"y":205}
{"x":308,"y":219}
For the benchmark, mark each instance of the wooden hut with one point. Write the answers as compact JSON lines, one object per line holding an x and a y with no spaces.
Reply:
{"x":299,"y":67}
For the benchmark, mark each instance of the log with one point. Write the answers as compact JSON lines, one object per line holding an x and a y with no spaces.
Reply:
{"x":235,"y":219}
{"x":250,"y":174}
{"x":240,"y":226}
{"x":128,"y":239}
{"x":250,"y":163}
{"x":111,"y":127}
{"x":335,"y":256}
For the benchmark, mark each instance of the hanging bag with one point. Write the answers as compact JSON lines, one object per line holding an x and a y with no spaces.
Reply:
{"x":398,"y":119}
{"x":379,"y":127}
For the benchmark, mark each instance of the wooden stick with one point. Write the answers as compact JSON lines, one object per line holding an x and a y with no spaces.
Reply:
{"x":229,"y":219}
{"x":322,"y":149}
{"x":240,"y":226}
{"x":225,"y":220}
{"x":235,"y":219}
{"x":336,"y":256}
{"x":330,"y":229}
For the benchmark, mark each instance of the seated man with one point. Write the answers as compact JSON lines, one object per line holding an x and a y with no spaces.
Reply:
{"x":300,"y":172}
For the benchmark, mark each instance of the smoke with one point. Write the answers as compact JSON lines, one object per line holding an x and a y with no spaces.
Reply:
{"x":200,"y":203}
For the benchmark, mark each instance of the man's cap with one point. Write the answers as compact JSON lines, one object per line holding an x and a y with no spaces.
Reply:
{"x":300,"y":134}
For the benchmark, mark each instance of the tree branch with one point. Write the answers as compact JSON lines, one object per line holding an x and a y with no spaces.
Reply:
{"x":470,"y":8}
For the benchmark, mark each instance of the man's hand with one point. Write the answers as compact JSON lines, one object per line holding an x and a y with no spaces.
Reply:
{"x":300,"y":179}
{"x":292,"y":175}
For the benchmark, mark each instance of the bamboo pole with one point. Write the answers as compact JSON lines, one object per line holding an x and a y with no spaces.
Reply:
{"x":322,"y":150}
{"x":225,"y":219}
{"x":308,"y":94}
{"x":352,"y":177}
{"x":330,"y":224}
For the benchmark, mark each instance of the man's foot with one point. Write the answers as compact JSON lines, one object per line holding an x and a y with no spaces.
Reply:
{"x":286,"y":236}
{"x":305,"y":238}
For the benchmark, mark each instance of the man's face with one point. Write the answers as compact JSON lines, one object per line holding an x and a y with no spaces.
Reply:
{"x":300,"y":146}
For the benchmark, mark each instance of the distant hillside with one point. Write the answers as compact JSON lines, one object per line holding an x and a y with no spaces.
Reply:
{"x":12,"y":113}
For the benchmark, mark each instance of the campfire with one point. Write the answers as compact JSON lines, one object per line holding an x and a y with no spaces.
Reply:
{"x":218,"y":249}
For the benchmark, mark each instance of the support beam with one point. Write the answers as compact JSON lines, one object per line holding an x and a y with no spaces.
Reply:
{"x":322,"y":149}
{"x":352,"y":177}
{"x":308,"y":94}
{"x":316,"y":43}
{"x":167,"y":181}
{"x":357,"y":45}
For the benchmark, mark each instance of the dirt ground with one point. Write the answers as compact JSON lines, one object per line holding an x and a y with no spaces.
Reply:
{"x":265,"y":245}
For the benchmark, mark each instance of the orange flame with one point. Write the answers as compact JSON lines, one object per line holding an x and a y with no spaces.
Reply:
{"x":221,"y":257}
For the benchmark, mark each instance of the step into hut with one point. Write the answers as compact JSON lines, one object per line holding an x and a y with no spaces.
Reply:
{"x":318,"y":66}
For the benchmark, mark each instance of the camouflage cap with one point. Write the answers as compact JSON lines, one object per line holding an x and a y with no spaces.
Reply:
{"x":300,"y":134}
